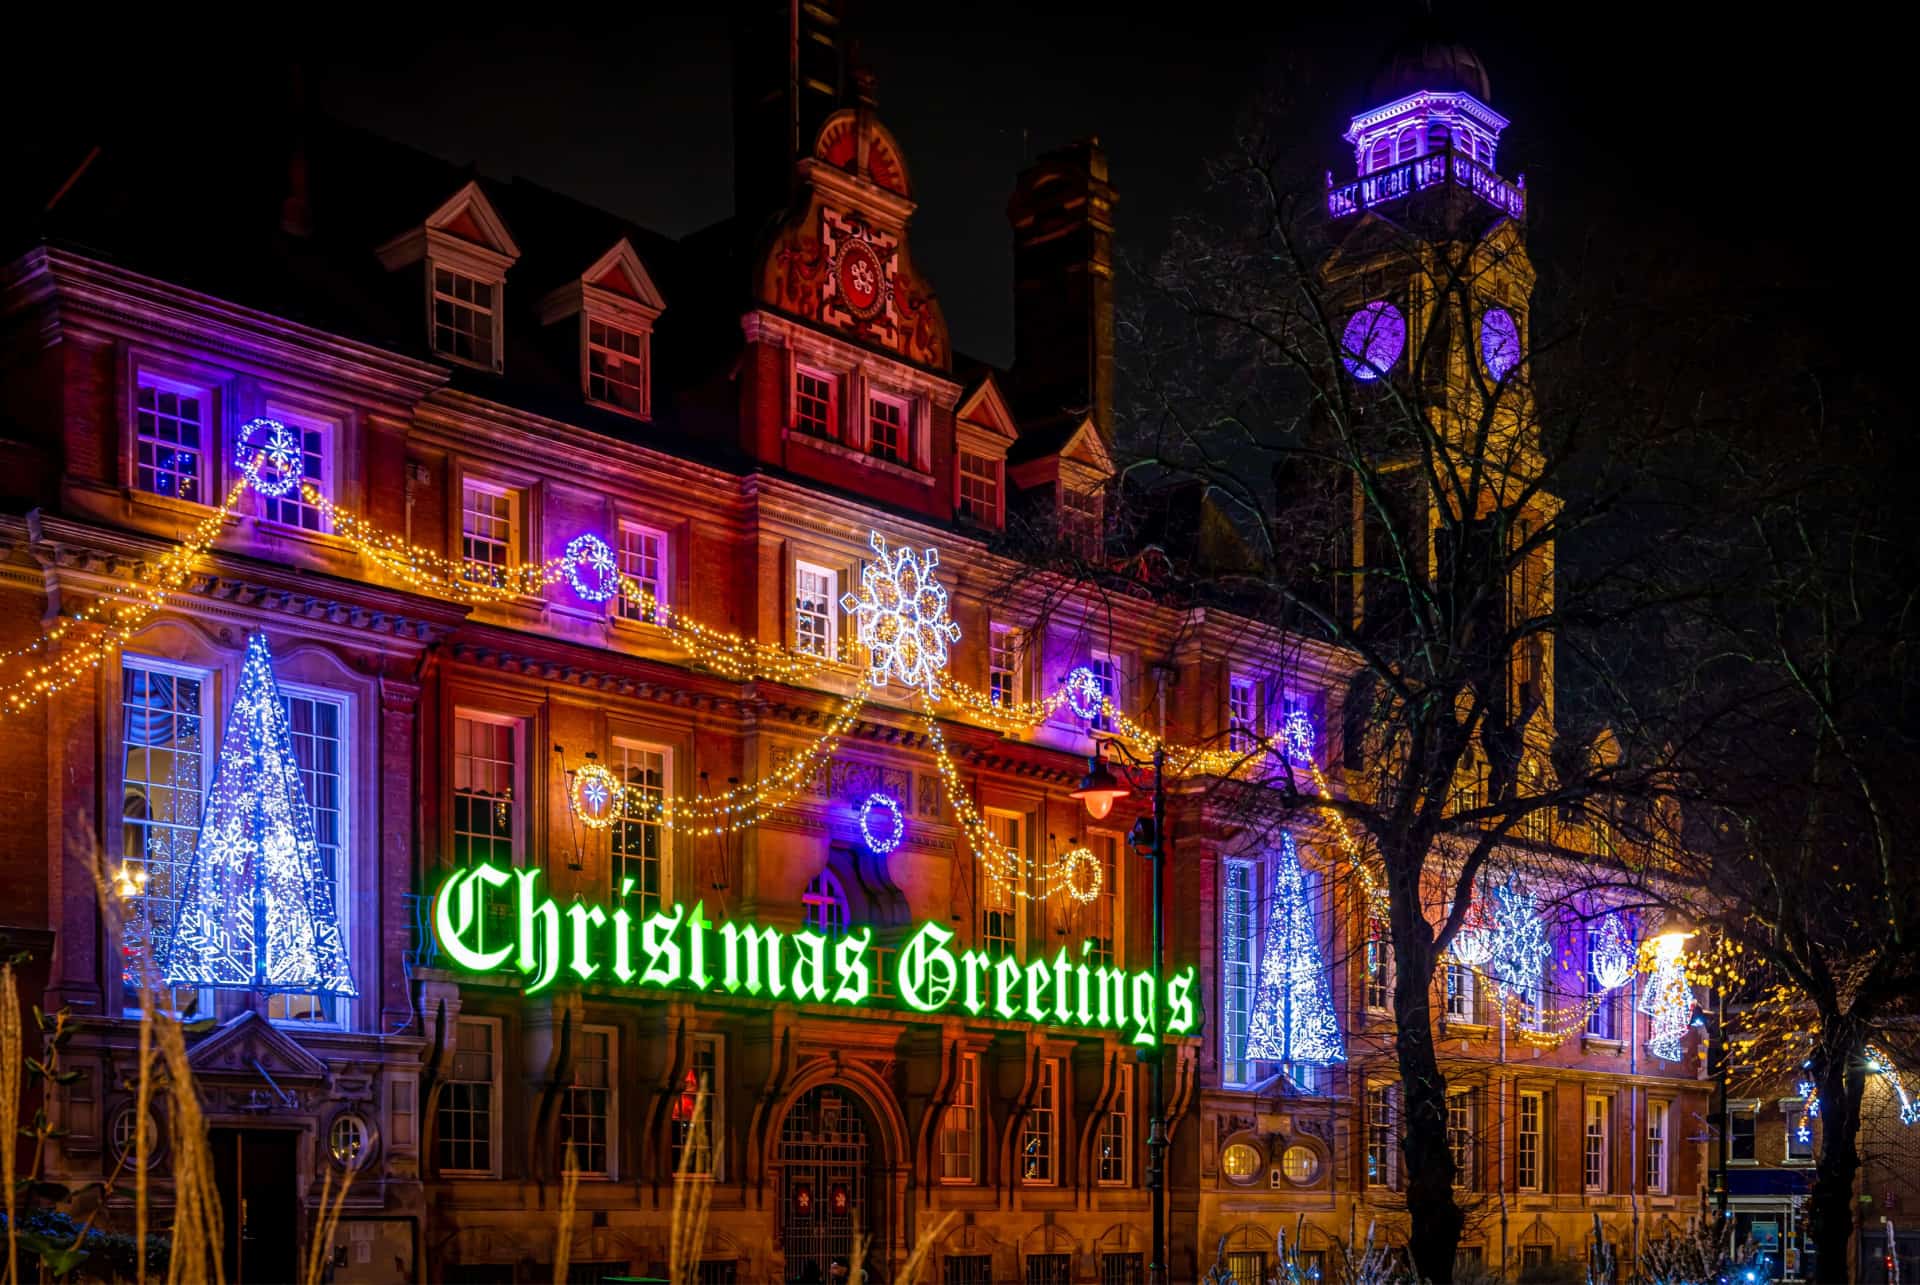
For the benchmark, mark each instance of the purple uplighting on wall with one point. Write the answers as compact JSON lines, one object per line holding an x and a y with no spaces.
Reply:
{"x":1373,"y":340}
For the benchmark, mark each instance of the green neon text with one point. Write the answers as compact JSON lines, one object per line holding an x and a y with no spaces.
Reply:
{"x":681,"y":948}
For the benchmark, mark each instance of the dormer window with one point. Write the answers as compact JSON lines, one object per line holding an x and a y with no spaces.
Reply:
{"x":1080,"y":520}
{"x":614,"y":304}
{"x":466,"y":251}
{"x":617,"y":367}
{"x":980,"y":488}
{"x":465,"y":322}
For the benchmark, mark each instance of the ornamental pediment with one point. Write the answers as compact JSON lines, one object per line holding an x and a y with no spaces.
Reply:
{"x":249,"y":1045}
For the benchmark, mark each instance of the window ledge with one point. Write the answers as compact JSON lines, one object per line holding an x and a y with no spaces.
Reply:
{"x":1603,"y":1043}
{"x":638,"y":416}
{"x":1468,"y":1030}
{"x":829,"y":447}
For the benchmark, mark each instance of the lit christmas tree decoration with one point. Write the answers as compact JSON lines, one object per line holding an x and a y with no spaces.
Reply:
{"x":257,"y":907}
{"x":1614,"y":955}
{"x":1669,"y":999}
{"x":592,"y":570}
{"x":1293,"y":1018}
{"x":900,"y":616}
{"x":882,"y":824}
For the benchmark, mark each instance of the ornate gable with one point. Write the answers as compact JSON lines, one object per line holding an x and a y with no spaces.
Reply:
{"x":250,"y":1044}
{"x":841,"y":259}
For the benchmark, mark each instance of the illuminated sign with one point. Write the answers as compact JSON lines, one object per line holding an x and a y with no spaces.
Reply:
{"x":680,"y":947}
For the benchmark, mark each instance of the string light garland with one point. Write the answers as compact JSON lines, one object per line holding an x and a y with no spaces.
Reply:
{"x":256,"y":904}
{"x":894,"y":827}
{"x":1293,"y":1018}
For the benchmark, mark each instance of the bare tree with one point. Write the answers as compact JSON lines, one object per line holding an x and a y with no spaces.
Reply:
{"x":1325,"y":433}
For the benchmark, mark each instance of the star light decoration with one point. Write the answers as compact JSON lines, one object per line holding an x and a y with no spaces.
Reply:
{"x":1298,"y":734}
{"x":595,"y":792}
{"x":257,"y":906}
{"x":1293,"y":1018}
{"x":1079,"y":874}
{"x":900,"y":616}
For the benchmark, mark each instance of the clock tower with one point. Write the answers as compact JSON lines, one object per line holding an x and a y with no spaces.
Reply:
{"x":1431,"y":285}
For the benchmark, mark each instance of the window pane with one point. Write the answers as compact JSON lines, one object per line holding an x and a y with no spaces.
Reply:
{"x":319,"y":750}
{"x":639,"y":837}
{"x":170,"y":437}
{"x":163,"y":774}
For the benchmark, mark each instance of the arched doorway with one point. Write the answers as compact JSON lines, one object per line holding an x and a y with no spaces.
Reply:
{"x":830,"y":1190}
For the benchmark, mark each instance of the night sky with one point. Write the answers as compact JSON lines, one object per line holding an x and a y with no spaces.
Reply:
{"x":1759,"y":153}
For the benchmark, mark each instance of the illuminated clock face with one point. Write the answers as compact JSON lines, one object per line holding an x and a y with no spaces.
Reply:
{"x":1373,"y":340}
{"x":1499,"y":342}
{"x":861,"y":278}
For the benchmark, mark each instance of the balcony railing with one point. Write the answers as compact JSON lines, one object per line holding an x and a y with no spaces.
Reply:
{"x":1423,"y":172}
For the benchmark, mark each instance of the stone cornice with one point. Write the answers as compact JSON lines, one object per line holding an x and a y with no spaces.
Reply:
{"x":117,"y":300}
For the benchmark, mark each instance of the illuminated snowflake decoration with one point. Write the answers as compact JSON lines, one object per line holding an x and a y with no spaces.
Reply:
{"x":269,"y":454}
{"x":1086,"y":694}
{"x":1520,"y":946}
{"x":890,"y":831}
{"x":900,"y":616}
{"x":592,"y":570}
{"x":593,"y":795}
{"x":1615,"y":954}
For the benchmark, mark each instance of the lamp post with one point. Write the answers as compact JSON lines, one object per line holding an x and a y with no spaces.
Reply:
{"x":1098,"y":791}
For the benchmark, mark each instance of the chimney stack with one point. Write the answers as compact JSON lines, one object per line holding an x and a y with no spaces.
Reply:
{"x":1062,"y":215}
{"x":789,"y":75}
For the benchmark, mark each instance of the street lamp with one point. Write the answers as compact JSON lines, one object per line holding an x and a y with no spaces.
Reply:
{"x":1098,"y":790}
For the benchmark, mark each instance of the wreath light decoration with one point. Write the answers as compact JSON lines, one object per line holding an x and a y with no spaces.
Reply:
{"x":263,"y":443}
{"x":595,"y":795}
{"x":1086,"y":694}
{"x":590,"y":553}
{"x":1080,"y":874}
{"x":895,"y":832}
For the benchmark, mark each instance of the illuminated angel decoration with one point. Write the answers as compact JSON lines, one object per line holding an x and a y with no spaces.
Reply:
{"x":900,"y":616}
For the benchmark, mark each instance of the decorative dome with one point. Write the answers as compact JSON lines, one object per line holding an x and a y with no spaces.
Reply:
{"x":1428,"y":59}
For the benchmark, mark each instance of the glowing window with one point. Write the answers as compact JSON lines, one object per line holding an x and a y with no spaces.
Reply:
{"x":826,"y":905}
{"x":1300,"y":1164}
{"x":1499,"y":342}
{"x":172,"y":436}
{"x":1240,"y":1162}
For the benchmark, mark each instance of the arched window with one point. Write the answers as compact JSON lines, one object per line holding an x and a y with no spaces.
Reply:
{"x":1408,"y":144}
{"x":826,"y":904}
{"x":1382,"y":154}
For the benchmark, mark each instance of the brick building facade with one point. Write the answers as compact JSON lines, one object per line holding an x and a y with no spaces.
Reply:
{"x":488,"y":370}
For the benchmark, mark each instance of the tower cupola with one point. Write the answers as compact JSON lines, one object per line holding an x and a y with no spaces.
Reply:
{"x":1431,"y":123}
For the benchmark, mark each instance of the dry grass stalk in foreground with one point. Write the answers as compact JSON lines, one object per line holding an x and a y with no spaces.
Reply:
{"x":13,"y":1055}
{"x":198,"y":1242}
{"x":331,"y":1203}
{"x":918,"y":1259}
{"x":569,"y":1195}
{"x":692,"y":1200}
